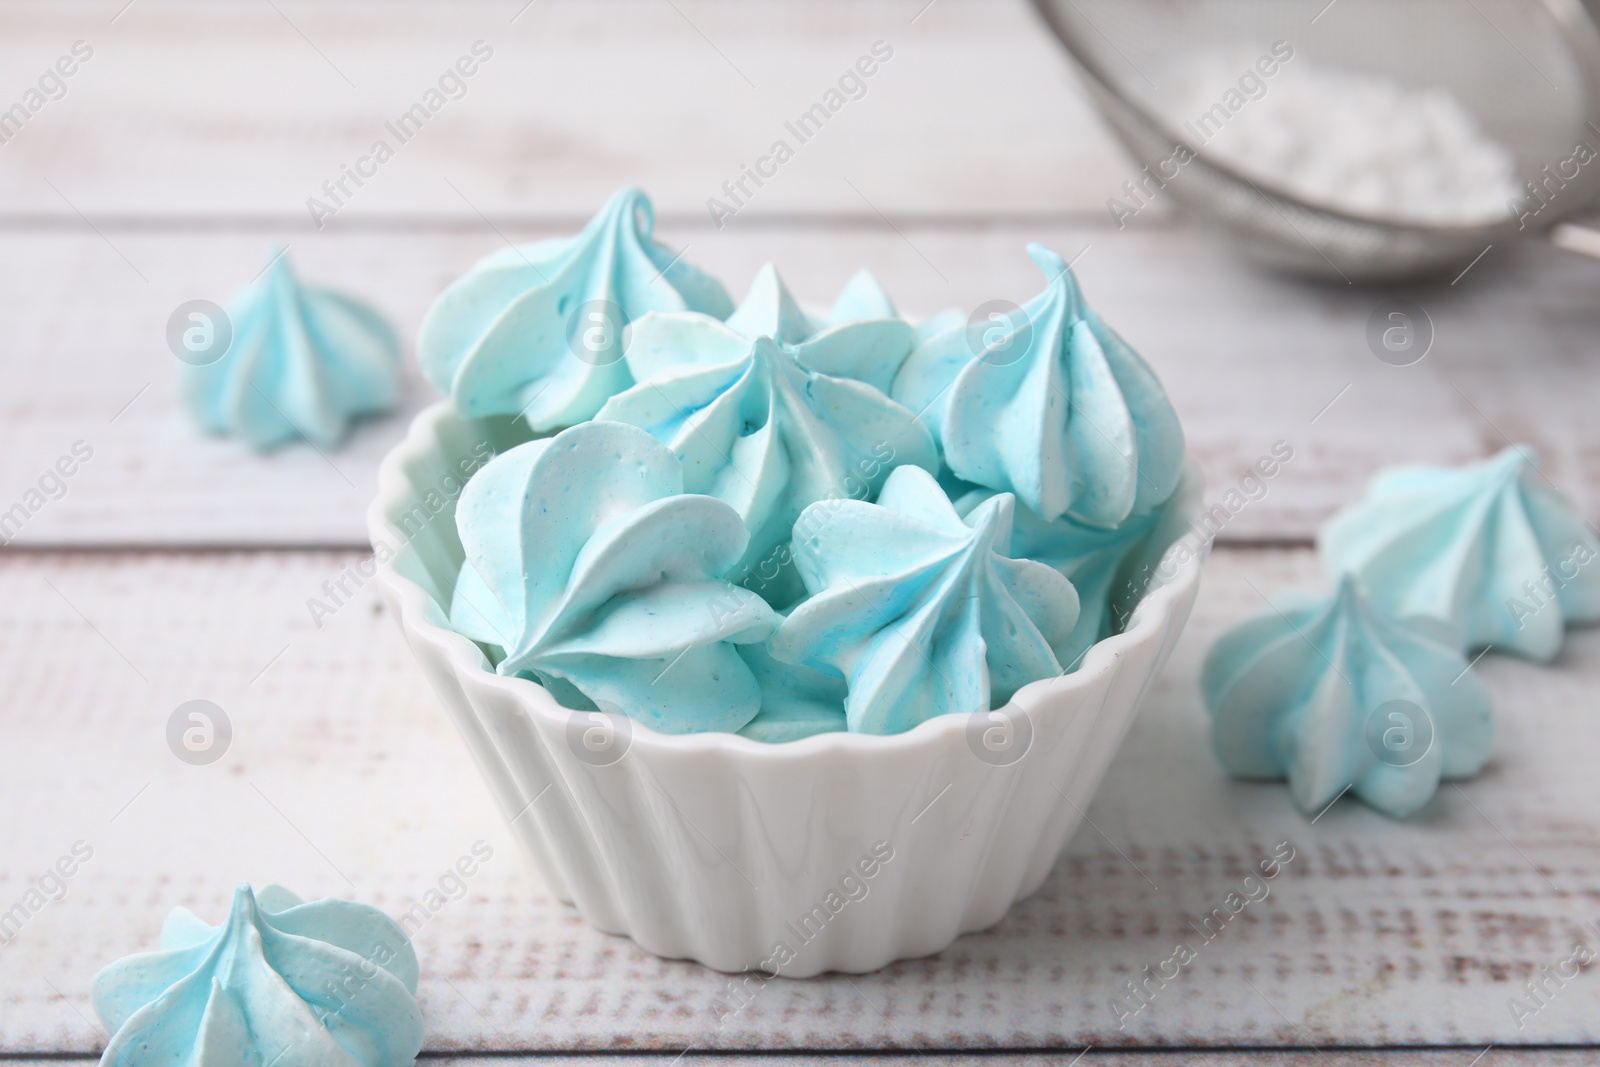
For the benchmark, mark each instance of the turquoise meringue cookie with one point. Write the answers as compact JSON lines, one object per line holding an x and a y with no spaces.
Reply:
{"x":303,"y":363}
{"x":534,"y":330}
{"x":586,"y":562}
{"x":1091,"y":557}
{"x":1051,"y":405}
{"x":863,"y":298}
{"x":923,"y":612}
{"x":862,"y":339}
{"x":326,"y":984}
{"x":758,"y":429}
{"x":1491,"y":549}
{"x":1337,"y":693}
{"x":796,"y":701}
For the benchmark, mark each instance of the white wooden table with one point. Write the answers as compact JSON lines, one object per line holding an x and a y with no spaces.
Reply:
{"x":177,"y":567}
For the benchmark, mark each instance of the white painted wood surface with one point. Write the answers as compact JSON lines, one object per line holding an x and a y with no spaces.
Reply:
{"x":1498,"y":1057}
{"x":182,"y":103}
{"x":1247,"y":359}
{"x":183,"y":153}
{"x":343,"y":778}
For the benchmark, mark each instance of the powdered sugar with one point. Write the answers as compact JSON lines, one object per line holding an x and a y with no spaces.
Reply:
{"x":1355,"y":142}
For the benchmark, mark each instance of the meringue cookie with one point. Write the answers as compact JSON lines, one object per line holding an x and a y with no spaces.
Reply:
{"x":863,"y":298}
{"x":326,"y":984}
{"x":757,"y":429}
{"x":922,"y":611}
{"x":796,"y":701}
{"x":1051,"y":405}
{"x":586,"y":561}
{"x":525,"y":333}
{"x":1490,"y":548}
{"x":1089,"y":556}
{"x":862,"y":338}
{"x":1336,"y":694}
{"x":303,"y":363}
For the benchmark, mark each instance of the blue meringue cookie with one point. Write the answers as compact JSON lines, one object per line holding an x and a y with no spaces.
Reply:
{"x":863,"y":298}
{"x":586,"y":562}
{"x":923,"y":612}
{"x":796,"y":701}
{"x":1089,"y":556}
{"x":1492,"y":549}
{"x":942,"y":323}
{"x":862,"y":338}
{"x":1337,"y":693}
{"x":537,"y":330}
{"x":758,"y":429}
{"x":303,"y":362}
{"x":326,"y":984}
{"x":1051,"y":405}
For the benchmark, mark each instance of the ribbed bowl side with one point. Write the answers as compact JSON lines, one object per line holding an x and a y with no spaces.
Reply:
{"x":849,"y":852}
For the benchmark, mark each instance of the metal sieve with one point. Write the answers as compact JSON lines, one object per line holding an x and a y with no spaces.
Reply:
{"x":1528,"y":71}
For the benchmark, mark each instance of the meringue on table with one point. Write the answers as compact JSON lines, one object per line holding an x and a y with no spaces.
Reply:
{"x":1491,"y":549}
{"x":326,"y":984}
{"x":1337,"y":694}
{"x":303,"y":362}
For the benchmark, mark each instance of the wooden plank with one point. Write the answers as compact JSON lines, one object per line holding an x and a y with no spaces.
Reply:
{"x":1447,"y":1057}
{"x":194,"y":109}
{"x":1450,"y":1057}
{"x":342,"y":767}
{"x":1248,"y":360}
{"x":1188,"y":1058}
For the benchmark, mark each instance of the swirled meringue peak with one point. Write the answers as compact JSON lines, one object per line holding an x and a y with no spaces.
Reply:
{"x":303,"y":363}
{"x":862,"y":338}
{"x":1051,"y":405}
{"x":758,"y":427}
{"x":921,"y":611}
{"x":1091,"y":557}
{"x":1337,"y":694}
{"x":1492,"y":549}
{"x":326,"y":984}
{"x":538,"y":330}
{"x":863,"y":298}
{"x":587,"y":563}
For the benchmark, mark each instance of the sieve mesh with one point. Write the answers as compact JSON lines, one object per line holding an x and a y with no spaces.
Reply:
{"x":1528,"y":70}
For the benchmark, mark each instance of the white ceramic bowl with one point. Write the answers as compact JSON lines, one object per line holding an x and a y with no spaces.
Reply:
{"x":849,"y":851}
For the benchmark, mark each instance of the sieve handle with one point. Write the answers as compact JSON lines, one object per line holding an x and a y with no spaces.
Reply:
{"x":1581,"y":237}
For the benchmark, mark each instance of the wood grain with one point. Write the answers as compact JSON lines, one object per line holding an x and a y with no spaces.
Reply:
{"x":199,"y":110}
{"x":183,"y":153}
{"x":342,"y":767}
{"x":1446,"y":1057}
{"x":1248,"y":360}
{"x":1255,"y":1057}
